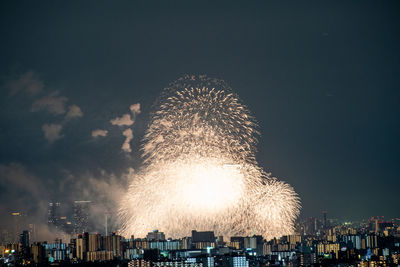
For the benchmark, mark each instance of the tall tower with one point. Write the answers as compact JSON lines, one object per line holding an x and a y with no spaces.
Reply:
{"x":53,"y":214}
{"x":325,"y":222}
{"x":106,"y":226}
{"x":81,"y":216}
{"x":377,"y":225}
{"x":24,"y":240}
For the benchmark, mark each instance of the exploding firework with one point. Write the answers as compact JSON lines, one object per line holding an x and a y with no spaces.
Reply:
{"x":200,"y":170}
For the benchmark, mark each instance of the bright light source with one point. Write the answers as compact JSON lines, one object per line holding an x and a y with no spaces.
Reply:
{"x":200,"y":170}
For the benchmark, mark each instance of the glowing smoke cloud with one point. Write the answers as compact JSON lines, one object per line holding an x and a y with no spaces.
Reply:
{"x":200,"y":170}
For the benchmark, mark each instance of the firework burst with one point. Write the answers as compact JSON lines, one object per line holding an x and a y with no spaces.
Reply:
{"x":200,"y":170}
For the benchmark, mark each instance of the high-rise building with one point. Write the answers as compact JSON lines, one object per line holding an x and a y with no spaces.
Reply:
{"x":250,"y":243}
{"x":220,"y":240}
{"x":32,"y":231}
{"x":82,"y":246}
{"x":325,"y":226}
{"x":202,"y":240}
{"x":24,"y":240}
{"x":56,"y":219}
{"x":95,"y":242}
{"x":81,"y":216}
{"x":208,"y":262}
{"x":238,"y":241}
{"x":19,"y":224}
{"x":53,"y":214}
{"x":155,"y":236}
{"x":38,"y":254}
{"x":206,"y":236}
{"x":113,"y":243}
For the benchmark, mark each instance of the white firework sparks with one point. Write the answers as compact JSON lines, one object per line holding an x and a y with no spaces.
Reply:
{"x":200,"y":171}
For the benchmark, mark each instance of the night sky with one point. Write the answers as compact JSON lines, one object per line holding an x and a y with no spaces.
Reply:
{"x":321,"y":78}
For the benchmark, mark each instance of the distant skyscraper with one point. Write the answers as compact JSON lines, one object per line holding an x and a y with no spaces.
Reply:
{"x":82,"y":246}
{"x":32,"y":231}
{"x":81,"y":216}
{"x":19,"y":224}
{"x":95,"y":242}
{"x":53,"y":214}
{"x":113,"y":243}
{"x":325,"y":222}
{"x":24,"y":240}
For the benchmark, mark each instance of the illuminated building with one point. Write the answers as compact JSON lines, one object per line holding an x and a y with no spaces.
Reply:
{"x":371,"y":241}
{"x":113,"y":243}
{"x":142,"y":243}
{"x":294,"y":239}
{"x":165,"y":245}
{"x":250,"y":243}
{"x":56,"y":251}
{"x":240,"y":261}
{"x":32,"y":231}
{"x":355,"y":241}
{"x":101,"y":255}
{"x":82,"y":245}
{"x":24,"y":239}
{"x":186,"y":243}
{"x":95,"y":242}
{"x":202,"y":240}
{"x":81,"y":216}
{"x":132,"y":253}
{"x":267,"y":249}
{"x":139,"y":263}
{"x":325,"y":223}
{"x":324,"y":248}
{"x":38,"y":253}
{"x":237,"y":241}
{"x":53,"y":214}
{"x":209,"y":261}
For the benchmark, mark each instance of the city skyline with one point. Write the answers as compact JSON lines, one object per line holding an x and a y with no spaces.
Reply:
{"x":77,"y":95}
{"x":69,"y":221}
{"x":316,"y":242}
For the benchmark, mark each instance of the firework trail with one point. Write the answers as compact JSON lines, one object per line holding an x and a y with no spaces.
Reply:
{"x":200,"y":170}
